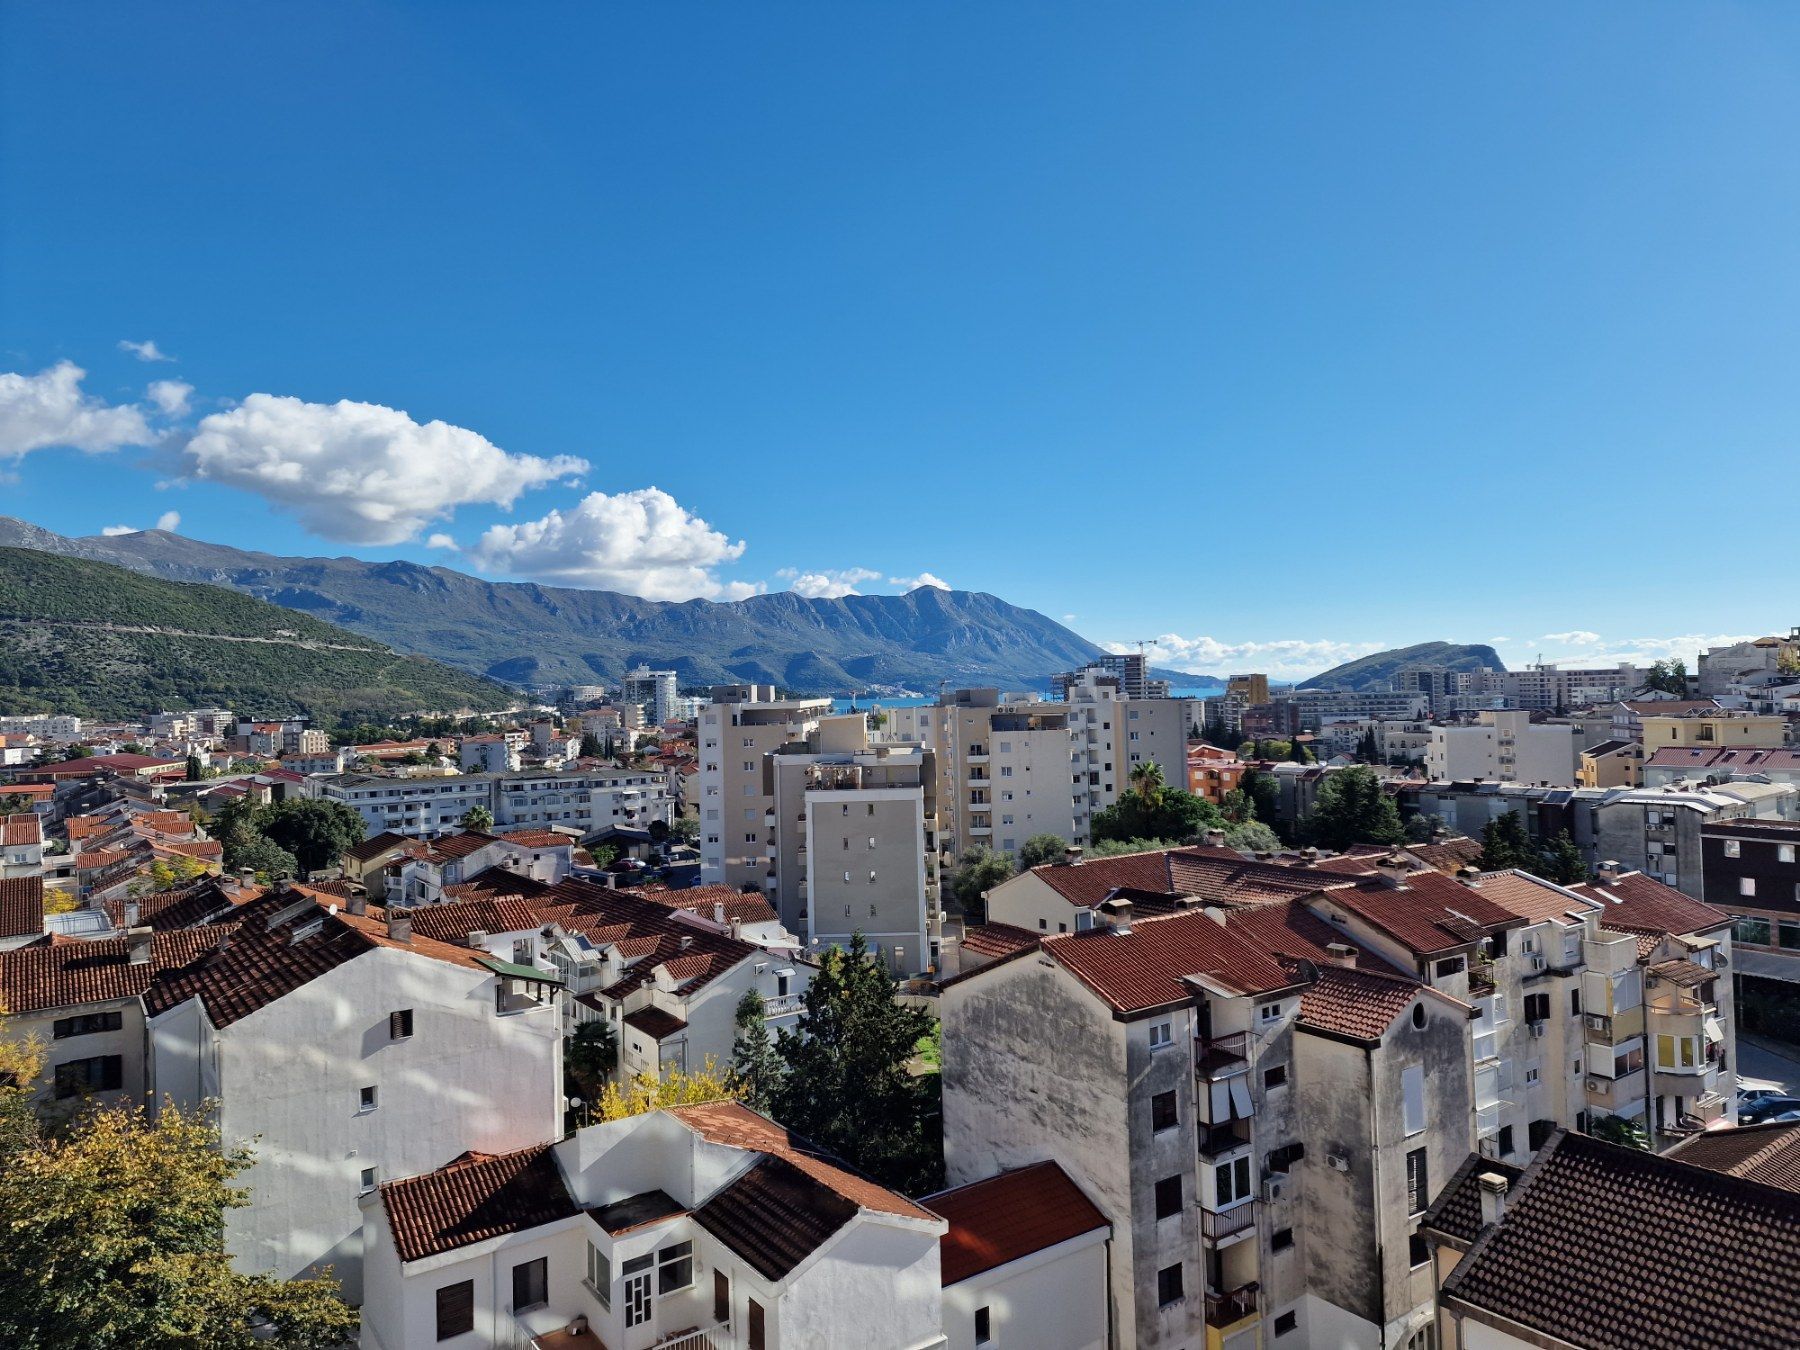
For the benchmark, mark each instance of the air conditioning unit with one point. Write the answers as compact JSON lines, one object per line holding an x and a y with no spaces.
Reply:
{"x":1596,"y":1022}
{"x":1337,"y":1162}
{"x":1273,"y":1188}
{"x":1599,"y":1085}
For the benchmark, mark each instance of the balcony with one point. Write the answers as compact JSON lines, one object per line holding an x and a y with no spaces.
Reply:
{"x":1614,"y":1093}
{"x":1215,"y":1141}
{"x":1218,"y":1225}
{"x":1222,"y":1056}
{"x":1233,"y":1306}
{"x":781,"y":1005}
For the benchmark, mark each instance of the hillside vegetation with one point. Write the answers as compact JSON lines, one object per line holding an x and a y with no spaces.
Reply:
{"x":1380,"y":666}
{"x":89,"y":638}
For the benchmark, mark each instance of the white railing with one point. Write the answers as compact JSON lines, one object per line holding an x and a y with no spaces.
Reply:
{"x":780,"y":1005}
{"x":700,"y":1340}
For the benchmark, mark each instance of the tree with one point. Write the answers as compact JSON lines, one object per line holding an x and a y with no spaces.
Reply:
{"x":166,"y":874}
{"x":315,"y":832}
{"x":590,"y":1055}
{"x":1368,"y":750}
{"x":1251,"y":836}
{"x":14,"y":803}
{"x":1299,"y":753}
{"x":755,"y":1066}
{"x":1238,"y":807}
{"x":477,"y":818}
{"x":1147,"y":781}
{"x":675,"y":1088}
{"x":1351,"y":808}
{"x":1504,"y":843}
{"x":1170,"y":813}
{"x":1424,"y":827}
{"x":1625,"y":1131}
{"x":194,"y":772}
{"x":1112,"y":848}
{"x":978,"y":871}
{"x":1264,"y":794}
{"x":263,"y":856}
{"x":1041,"y":849}
{"x":591,"y":747}
{"x":685,"y":829}
{"x":1668,"y":677}
{"x":114,"y":1237}
{"x":847,"y":1087}
{"x":1562,"y":861}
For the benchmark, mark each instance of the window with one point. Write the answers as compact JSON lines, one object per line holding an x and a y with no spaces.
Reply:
{"x":1288,"y":1321}
{"x":1168,"y":1197}
{"x":1451,"y":965}
{"x":1418,"y":1014}
{"x":753,"y":1315}
{"x":1417,"y":1251}
{"x":1537,"y":1007}
{"x":674,"y":1267}
{"x":1161,"y":1034}
{"x":1281,"y":1239}
{"x":1733,"y":848}
{"x":1746,"y":885}
{"x":1574,"y":1003}
{"x":368,"y":1180}
{"x":1281,"y":1159}
{"x":400,"y":1024}
{"x":721,"y":1296}
{"x":1275,"y":1077}
{"x":102,"y":1073}
{"x":1784,"y":853}
{"x":1232,"y":1181}
{"x":86,"y":1024}
{"x":531,"y":1284}
{"x":599,"y":1276}
{"x":1163,"y":1114}
{"x":367,"y":1100}
{"x":455,"y":1309}
{"x":1168,"y":1285}
{"x":637,"y":1289}
{"x":1412,"y":1095}
{"x":521,"y":951}
{"x":1418,"y":1182}
{"x":1269,"y":1012}
{"x":1506,"y":1144}
{"x":983,"y":1327}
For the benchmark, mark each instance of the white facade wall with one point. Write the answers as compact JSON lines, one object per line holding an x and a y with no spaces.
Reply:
{"x":1055,"y":1297}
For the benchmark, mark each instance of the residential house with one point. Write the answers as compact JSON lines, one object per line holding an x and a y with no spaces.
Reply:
{"x":1752,"y":873}
{"x":21,"y":845}
{"x":1611,"y":763}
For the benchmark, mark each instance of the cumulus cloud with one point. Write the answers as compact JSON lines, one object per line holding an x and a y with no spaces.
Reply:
{"x":1641,"y":651}
{"x":169,"y":521}
{"x":49,"y":409}
{"x":440,"y":541}
{"x":1285,"y":658}
{"x":643,"y":542}
{"x":360,"y":472}
{"x":828,"y":584}
{"x":923,"y":579}
{"x":170,"y":396}
{"x":113,"y":531}
{"x":1576,"y":637}
{"x":144,"y":351}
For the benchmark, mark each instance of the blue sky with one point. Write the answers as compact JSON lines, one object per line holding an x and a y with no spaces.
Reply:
{"x":1283,"y":332}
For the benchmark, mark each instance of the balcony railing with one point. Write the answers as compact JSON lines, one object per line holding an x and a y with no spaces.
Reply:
{"x":1216,"y":1224}
{"x":781,"y":1005}
{"x":1215,"y":1140}
{"x":1219,"y":1056}
{"x":1233,"y":1306}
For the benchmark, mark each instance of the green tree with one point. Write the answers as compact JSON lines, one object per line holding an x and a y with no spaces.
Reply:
{"x":685,"y":829}
{"x":591,"y":747}
{"x":1264,"y":793}
{"x":1041,"y":849}
{"x":114,"y":1239}
{"x":1562,"y":861}
{"x":1424,"y":827}
{"x":193,"y":772}
{"x":847,"y":1087}
{"x":315,"y":832}
{"x":1368,"y":750}
{"x":477,"y":818}
{"x":590,"y":1055}
{"x":244,"y":847}
{"x":1147,"y":781}
{"x":1239,"y":807}
{"x":1351,"y":808}
{"x":1299,"y":753}
{"x":1168,"y":813}
{"x":1251,"y":836}
{"x":1668,"y":677}
{"x":14,"y":803}
{"x":1112,"y":848}
{"x":1625,"y":1131}
{"x":978,"y":871}
{"x":756,"y":1068}
{"x":1504,"y":843}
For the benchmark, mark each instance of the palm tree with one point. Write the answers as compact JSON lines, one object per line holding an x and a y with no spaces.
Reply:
{"x":1147,"y":780}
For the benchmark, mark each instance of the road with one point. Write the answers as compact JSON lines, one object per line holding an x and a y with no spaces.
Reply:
{"x":1763,"y":1063}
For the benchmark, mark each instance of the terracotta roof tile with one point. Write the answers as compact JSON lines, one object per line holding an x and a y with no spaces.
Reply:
{"x":1005,"y":1217}
{"x":1769,"y":1154}
{"x":66,"y":975}
{"x":475,"y":1198}
{"x":1428,"y":913}
{"x":21,"y":906}
{"x":1532,"y":898}
{"x":656,"y":1023}
{"x":997,"y":939}
{"x":775,"y":1216}
{"x":1609,"y":1246}
{"x":1637,"y":901}
{"x":1145,"y":968}
{"x":1457,"y":1209}
{"x":376,"y":845}
{"x":699,"y":900}
{"x":454,"y":922}
{"x":21,"y":829}
{"x":1447,"y":855}
{"x":1288,"y":928}
{"x":1356,"y":1004}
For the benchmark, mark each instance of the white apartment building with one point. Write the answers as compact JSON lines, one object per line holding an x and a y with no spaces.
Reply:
{"x":737,"y":729}
{"x":657,"y":692}
{"x":488,"y":754}
{"x":1547,"y":686}
{"x":1506,"y":747}
{"x":1112,"y":735}
{"x":585,"y":800}
{"x":696,"y":1228}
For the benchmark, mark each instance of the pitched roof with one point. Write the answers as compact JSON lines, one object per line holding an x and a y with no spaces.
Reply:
{"x":1766,"y":1153}
{"x":263,"y":960}
{"x":1289,"y":929}
{"x":1447,"y":855}
{"x":453,"y":922}
{"x":69,"y":974}
{"x":1457,"y":1209}
{"x":656,"y":1023}
{"x":1005,"y":1217}
{"x":474,"y":1198}
{"x":1357,"y":1004}
{"x":21,"y":906}
{"x":21,"y":829}
{"x":454,"y":846}
{"x":699,"y":900}
{"x":635,"y":1211}
{"x":1636,"y":901}
{"x":1608,"y":1246}
{"x":1530,"y":897}
{"x":997,"y":939}
{"x":376,"y":845}
{"x":1145,"y":968}
{"x":736,"y":1125}
{"x":183,"y":907}
{"x":1741,"y":759}
{"x":1427,"y":913}
{"x":775,"y":1215}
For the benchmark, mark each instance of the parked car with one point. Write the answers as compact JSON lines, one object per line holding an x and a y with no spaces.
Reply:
{"x":1766,"y":1108}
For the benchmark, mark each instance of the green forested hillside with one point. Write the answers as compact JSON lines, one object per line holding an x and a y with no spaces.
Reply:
{"x":90,"y":638}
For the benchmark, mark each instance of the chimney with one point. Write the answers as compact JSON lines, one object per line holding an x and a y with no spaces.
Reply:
{"x":1493,"y":1198}
{"x":1309,"y":856}
{"x":399,"y":923}
{"x":137,"y":945}
{"x":131,"y":914}
{"x":1610,"y":871}
{"x":686,"y":942}
{"x":737,"y":929}
{"x":357,"y":902}
{"x":1116,"y":913}
{"x":477,"y":939}
{"x":1467,"y":874}
{"x":246,"y":876}
{"x":1215,"y":839}
{"x":1342,"y":954}
{"x":719,"y":912}
{"x":1071,"y":856}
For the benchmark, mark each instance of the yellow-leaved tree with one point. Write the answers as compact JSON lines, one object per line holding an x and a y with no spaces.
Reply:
{"x":675,"y":1088}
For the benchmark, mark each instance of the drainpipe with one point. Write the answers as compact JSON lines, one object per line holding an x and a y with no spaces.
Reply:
{"x":1375,"y":1176}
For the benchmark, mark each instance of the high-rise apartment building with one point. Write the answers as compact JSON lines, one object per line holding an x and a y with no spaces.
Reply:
{"x":657,"y":692}
{"x":742,"y":724}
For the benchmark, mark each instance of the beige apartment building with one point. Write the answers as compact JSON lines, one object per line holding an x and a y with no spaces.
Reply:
{"x":1721,"y":731}
{"x":743,"y":723}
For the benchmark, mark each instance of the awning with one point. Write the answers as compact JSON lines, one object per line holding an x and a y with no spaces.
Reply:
{"x":512,"y":972}
{"x":1714,"y":1032}
{"x":1240,"y":1097}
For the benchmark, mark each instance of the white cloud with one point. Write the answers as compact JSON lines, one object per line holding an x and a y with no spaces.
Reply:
{"x":49,"y":409}
{"x":170,"y":396}
{"x":361,"y":472}
{"x":144,"y":351}
{"x":1641,"y":651}
{"x":827,"y":585}
{"x":923,"y":579}
{"x":169,"y":521}
{"x":1285,"y":658}
{"x":1576,"y":637}
{"x":113,"y":531}
{"x":643,"y":542}
{"x":440,"y":541}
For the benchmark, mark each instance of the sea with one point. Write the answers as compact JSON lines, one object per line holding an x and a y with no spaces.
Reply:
{"x":866,"y":702}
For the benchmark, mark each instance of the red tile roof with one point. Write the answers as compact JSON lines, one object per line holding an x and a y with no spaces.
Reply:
{"x":1636,"y":902}
{"x":1530,"y":897}
{"x":1742,"y":759}
{"x":21,"y":906}
{"x":1447,"y":855}
{"x":454,"y":846}
{"x":453,"y":922}
{"x":529,"y":838}
{"x":656,"y":1023}
{"x":375,"y":845}
{"x":1145,"y":968}
{"x":775,"y":1215}
{"x":1358,"y":1005}
{"x":64,"y":975}
{"x":1769,"y":1154}
{"x":22,"y":829}
{"x":1003,"y":1218}
{"x":1426,"y":914}
{"x":699,"y":900}
{"x":475,"y":1198}
{"x":997,"y":939}
{"x":1288,"y":928}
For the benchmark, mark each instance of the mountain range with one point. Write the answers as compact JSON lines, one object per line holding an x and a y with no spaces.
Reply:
{"x":522,"y":633}
{"x":1378,"y":667}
